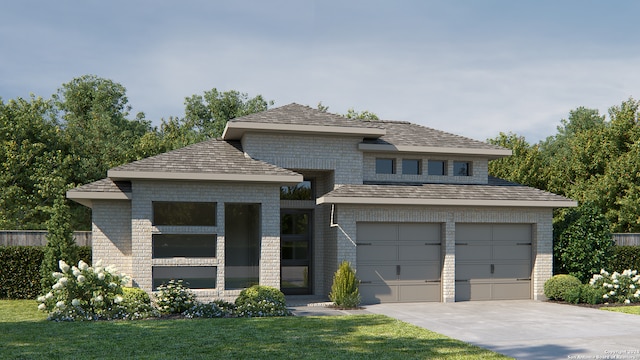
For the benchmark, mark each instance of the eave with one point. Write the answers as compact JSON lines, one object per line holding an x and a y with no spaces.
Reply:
{"x":490,"y":153}
{"x":234,"y":130}
{"x":444,"y":202}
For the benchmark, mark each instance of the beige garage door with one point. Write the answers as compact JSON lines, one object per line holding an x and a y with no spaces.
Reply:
{"x":398,"y":262}
{"x":493,"y":261}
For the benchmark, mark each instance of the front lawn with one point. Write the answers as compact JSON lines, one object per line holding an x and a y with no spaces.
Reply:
{"x":624,"y":309}
{"x":25,"y":334}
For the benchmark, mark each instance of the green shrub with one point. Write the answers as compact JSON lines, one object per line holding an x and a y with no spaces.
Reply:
{"x":214,"y":309}
{"x":618,"y":287}
{"x":261,"y":301}
{"x":137,"y":303}
{"x":344,"y":290}
{"x":20,"y":272}
{"x":85,"y":293}
{"x":557,"y":287}
{"x":584,"y":294}
{"x":625,"y":257}
{"x":174,"y":297}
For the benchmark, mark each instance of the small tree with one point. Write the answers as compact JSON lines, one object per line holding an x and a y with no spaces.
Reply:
{"x":60,"y":243}
{"x":344,"y":291}
{"x":582,"y":244}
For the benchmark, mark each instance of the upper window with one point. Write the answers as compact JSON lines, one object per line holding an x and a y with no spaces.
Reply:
{"x":301,"y":191}
{"x":437,"y":167}
{"x":385,"y":166}
{"x":183,"y":245}
{"x":184,"y":213}
{"x":411,"y":166}
{"x":461,"y":168}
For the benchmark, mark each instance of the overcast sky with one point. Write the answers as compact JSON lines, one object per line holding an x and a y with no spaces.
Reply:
{"x":474,"y":68}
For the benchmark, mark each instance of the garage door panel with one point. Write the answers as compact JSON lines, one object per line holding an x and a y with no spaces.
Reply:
{"x":375,"y":294}
{"x":473,"y":271}
{"x":376,"y":232}
{"x":466,"y":291}
{"x":377,"y":273}
{"x":473,"y":252}
{"x":419,"y":232}
{"x":377,"y":252}
{"x":518,"y":252}
{"x":512,"y":232}
{"x":422,"y":292}
{"x":420,"y":272}
{"x":512,"y":291}
{"x":512,"y":271}
{"x":419,"y":252}
{"x":473,"y":232}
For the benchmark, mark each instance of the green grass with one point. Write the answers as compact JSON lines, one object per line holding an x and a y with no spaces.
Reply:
{"x":26,"y":335}
{"x":624,"y":309}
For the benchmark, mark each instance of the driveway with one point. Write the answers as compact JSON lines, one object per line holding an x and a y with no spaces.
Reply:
{"x":527,"y":329}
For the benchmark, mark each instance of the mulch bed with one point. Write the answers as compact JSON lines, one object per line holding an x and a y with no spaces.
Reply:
{"x":593,"y":306}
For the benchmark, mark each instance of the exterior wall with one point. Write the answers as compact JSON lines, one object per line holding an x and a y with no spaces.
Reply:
{"x":333,"y":153}
{"x":542,"y":238}
{"x":111,"y":234}
{"x":145,"y":192}
{"x":479,"y":169}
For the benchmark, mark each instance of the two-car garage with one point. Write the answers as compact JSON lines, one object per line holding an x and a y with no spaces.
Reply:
{"x":402,"y":262}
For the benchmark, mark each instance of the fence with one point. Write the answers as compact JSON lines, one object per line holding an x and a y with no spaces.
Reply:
{"x":38,"y":238}
{"x":627,"y":239}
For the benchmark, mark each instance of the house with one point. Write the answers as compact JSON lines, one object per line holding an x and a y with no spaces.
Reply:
{"x":287,"y":194}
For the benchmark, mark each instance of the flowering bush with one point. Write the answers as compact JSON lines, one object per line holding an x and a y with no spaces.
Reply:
{"x":174,"y":297}
{"x":620,"y":287}
{"x":260,"y":301}
{"x":85,"y":293}
{"x":215,"y":309}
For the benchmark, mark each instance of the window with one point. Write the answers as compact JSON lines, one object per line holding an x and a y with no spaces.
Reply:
{"x":461,"y":168}
{"x":385,"y":166}
{"x":437,"y":167}
{"x":301,"y":191}
{"x":411,"y":166}
{"x":241,"y":245}
{"x":195,"y":277}
{"x":185,"y":245}
{"x":184,"y":213}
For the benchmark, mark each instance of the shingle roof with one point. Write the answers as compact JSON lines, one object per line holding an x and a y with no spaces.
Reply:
{"x":211,"y":157}
{"x":401,"y":133}
{"x":105,"y":185}
{"x":497,"y":192}
{"x":296,"y":114}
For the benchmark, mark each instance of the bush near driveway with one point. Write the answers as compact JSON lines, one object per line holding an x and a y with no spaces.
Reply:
{"x":557,"y":287}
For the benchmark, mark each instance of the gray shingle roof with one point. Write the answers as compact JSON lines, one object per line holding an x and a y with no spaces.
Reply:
{"x":402,"y":133}
{"x":105,"y":185}
{"x":213,"y":156}
{"x":296,"y":114}
{"x":495,"y":190}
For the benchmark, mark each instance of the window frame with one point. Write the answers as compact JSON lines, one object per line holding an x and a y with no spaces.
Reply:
{"x":378,"y":166}
{"x":418,"y":166}
{"x":445,"y":165}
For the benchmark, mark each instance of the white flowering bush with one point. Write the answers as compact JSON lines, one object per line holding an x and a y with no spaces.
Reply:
{"x":618,"y":287}
{"x":84,"y":292}
{"x":174,"y":297}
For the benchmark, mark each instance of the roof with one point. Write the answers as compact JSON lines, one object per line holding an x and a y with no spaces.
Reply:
{"x":298,"y":118}
{"x":213,"y":159}
{"x":407,"y":137}
{"x":497,"y":192}
{"x":105,"y":189}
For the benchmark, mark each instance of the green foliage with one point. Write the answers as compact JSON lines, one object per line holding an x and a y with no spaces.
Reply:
{"x":60,"y":243}
{"x":582,"y":241}
{"x":174,"y":297}
{"x":625,"y":257}
{"x":20,"y":272}
{"x":557,"y":287}
{"x":261,"y":301}
{"x":361,"y":115}
{"x":137,"y":304}
{"x":85,"y":293}
{"x":214,"y":309}
{"x":618,"y":287}
{"x":584,"y":294}
{"x":344,"y":290}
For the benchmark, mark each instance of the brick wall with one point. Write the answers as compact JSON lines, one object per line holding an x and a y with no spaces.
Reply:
{"x":111,"y":228}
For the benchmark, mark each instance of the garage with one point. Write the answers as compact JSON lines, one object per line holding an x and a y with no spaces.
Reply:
{"x":399,"y":262}
{"x":493,"y":261}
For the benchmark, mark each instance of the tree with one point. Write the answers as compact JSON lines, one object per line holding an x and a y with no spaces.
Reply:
{"x":582,"y":242}
{"x":524,"y":164}
{"x":60,"y":243}
{"x":361,"y":115}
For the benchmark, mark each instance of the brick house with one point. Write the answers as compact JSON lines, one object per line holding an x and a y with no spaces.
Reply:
{"x":287,"y":194}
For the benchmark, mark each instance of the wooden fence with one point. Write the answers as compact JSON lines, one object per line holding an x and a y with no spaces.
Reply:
{"x":627,"y":239}
{"x":37,"y":238}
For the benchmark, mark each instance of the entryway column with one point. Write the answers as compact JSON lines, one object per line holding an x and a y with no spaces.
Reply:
{"x":449,"y":262}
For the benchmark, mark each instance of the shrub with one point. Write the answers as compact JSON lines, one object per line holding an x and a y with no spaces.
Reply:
{"x":582,"y":241}
{"x":344,"y":290}
{"x":584,"y":294}
{"x":137,"y":303}
{"x":60,"y":243}
{"x":260,"y":301}
{"x":20,"y":272}
{"x":557,"y":287}
{"x":174,"y":297}
{"x":214,"y":309}
{"x":85,"y":293}
{"x":625,"y":257}
{"x":618,"y":287}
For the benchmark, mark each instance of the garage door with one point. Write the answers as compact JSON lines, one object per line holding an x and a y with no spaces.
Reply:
{"x":493,"y":261}
{"x":398,"y":262}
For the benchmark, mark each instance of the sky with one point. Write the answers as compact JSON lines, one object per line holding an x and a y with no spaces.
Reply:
{"x":470,"y":67}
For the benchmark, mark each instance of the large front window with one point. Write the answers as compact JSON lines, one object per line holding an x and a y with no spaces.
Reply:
{"x":180,"y":213}
{"x":242,"y":245}
{"x":184,"y":245}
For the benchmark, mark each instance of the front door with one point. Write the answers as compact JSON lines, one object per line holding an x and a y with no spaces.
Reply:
{"x":295,"y":250}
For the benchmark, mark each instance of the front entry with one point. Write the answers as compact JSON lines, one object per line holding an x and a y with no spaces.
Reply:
{"x":295,"y":251}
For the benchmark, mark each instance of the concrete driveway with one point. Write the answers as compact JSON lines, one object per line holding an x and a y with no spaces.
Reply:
{"x":527,"y":329}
